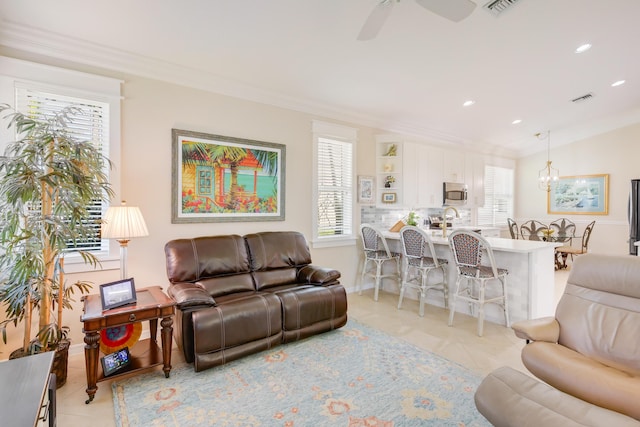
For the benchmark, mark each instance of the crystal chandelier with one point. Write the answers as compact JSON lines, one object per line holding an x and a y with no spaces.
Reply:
{"x":548,"y":174}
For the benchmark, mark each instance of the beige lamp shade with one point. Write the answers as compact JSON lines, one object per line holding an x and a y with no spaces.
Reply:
{"x":123,"y":222}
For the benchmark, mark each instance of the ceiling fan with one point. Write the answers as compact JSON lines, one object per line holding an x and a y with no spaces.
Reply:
{"x":453,"y":10}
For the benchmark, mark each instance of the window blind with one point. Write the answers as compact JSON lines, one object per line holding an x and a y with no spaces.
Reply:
{"x":90,"y":123}
{"x":498,"y":196}
{"x":334,"y":187}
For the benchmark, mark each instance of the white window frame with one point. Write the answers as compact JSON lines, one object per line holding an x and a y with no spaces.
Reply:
{"x":343,"y":134}
{"x":16,"y":74}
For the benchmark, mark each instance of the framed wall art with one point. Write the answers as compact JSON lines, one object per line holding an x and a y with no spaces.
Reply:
{"x":366,"y":189}
{"x":579,"y":195}
{"x":388,"y":197}
{"x":222,"y":178}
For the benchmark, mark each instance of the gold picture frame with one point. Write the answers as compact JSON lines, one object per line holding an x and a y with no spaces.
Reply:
{"x":579,"y":195}
{"x":389,"y":197}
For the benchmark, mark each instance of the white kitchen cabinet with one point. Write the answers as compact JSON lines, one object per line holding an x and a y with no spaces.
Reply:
{"x":389,"y":167}
{"x":474,"y":178}
{"x":422,"y":175}
{"x":430,"y":176}
{"x":454,"y":169}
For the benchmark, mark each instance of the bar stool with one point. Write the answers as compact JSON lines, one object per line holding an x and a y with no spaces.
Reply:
{"x":376,"y":251}
{"x":419,"y":261}
{"x":467,"y":248}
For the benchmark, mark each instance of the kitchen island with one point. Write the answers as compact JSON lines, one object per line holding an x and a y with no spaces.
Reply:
{"x":530,"y":283}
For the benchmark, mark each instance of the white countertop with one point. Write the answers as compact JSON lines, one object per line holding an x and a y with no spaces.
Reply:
{"x":497,"y":243}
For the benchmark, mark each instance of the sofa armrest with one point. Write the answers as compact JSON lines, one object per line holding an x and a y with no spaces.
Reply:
{"x":544,"y":329}
{"x":189,"y":295}
{"x":314,"y":275}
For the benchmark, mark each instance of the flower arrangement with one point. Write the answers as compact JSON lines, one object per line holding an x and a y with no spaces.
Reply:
{"x":390,"y":179}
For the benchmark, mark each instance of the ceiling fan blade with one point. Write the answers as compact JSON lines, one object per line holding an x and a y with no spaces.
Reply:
{"x":376,"y":20}
{"x":453,"y":10}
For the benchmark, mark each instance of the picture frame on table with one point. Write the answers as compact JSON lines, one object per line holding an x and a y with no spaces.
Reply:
{"x":118,"y":294}
{"x":366,"y":189}
{"x":389,"y":197}
{"x":579,"y":195}
{"x":218,"y":178}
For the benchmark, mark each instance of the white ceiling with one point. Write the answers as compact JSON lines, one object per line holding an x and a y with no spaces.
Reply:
{"x":411,"y":79}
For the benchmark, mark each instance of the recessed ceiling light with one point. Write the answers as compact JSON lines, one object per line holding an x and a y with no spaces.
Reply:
{"x":618,"y":83}
{"x":515,"y":122}
{"x":468,"y":103}
{"x":583,"y":48}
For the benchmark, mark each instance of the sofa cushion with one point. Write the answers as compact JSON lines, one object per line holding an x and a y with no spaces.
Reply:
{"x":191,"y":260}
{"x":599,"y":312}
{"x":509,"y":398}
{"x":276,"y":257}
{"x":308,"y":310}
{"x":583,"y":377}
{"x":239,"y":325}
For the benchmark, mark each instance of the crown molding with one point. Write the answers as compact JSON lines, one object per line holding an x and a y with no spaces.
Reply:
{"x":48,"y":44}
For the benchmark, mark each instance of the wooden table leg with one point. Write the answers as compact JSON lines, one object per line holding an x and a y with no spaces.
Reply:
{"x":91,"y":352}
{"x":167,"y":332}
{"x":153,"y":329}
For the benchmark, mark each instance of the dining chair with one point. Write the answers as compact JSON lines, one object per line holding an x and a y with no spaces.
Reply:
{"x":513,"y":228}
{"x":565,"y":230}
{"x":467,"y":248}
{"x":377,"y":253}
{"x":564,"y":251}
{"x":419,"y":261}
{"x":533,"y":230}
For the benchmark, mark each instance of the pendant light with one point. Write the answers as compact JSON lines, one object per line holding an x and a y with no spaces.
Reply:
{"x":547,"y":174}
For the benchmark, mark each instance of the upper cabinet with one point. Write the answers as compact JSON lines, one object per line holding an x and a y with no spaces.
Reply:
{"x":454,"y":170}
{"x":423,"y":173}
{"x":474,"y":178}
{"x":389,"y":172}
{"x":410,"y":174}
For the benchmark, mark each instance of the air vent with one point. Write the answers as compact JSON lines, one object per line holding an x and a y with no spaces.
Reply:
{"x":496,"y":7}
{"x":583,"y":98}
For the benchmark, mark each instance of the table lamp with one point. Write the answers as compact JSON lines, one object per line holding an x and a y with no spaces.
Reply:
{"x":122,"y":223}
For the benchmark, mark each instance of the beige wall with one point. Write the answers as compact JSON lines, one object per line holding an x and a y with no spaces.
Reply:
{"x":615,"y":153}
{"x":150,"y":109}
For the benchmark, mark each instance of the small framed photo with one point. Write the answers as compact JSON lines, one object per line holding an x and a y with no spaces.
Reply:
{"x":117,"y":294}
{"x":388,"y":197}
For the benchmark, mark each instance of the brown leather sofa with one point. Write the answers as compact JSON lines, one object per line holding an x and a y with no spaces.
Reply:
{"x":589,"y":352}
{"x":238,"y":295}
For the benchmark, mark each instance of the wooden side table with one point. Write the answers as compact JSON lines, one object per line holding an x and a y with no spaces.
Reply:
{"x":152,"y":304}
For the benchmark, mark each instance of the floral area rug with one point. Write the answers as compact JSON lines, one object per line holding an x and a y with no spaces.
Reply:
{"x":355,"y":376}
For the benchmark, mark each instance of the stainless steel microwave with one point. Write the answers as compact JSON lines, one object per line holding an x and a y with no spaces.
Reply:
{"x":454,"y":194}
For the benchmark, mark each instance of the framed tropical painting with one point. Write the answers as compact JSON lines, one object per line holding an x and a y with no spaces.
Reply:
{"x":222,"y":178}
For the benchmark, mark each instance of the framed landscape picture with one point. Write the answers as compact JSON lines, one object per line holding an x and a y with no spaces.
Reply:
{"x":579,"y":195}
{"x":222,"y":178}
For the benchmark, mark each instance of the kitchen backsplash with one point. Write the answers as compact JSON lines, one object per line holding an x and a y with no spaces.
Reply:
{"x":387,"y":217}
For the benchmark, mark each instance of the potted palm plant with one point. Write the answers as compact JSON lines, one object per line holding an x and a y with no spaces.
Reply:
{"x":49,"y":181}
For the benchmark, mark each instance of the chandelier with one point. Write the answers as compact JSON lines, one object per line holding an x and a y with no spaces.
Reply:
{"x":547,"y":174}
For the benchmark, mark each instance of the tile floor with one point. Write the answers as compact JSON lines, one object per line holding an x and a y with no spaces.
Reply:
{"x":498,"y":347}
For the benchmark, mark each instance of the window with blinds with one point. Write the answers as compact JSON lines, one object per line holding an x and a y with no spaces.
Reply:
{"x":90,"y":123}
{"x":334,"y":188}
{"x":498,"y":196}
